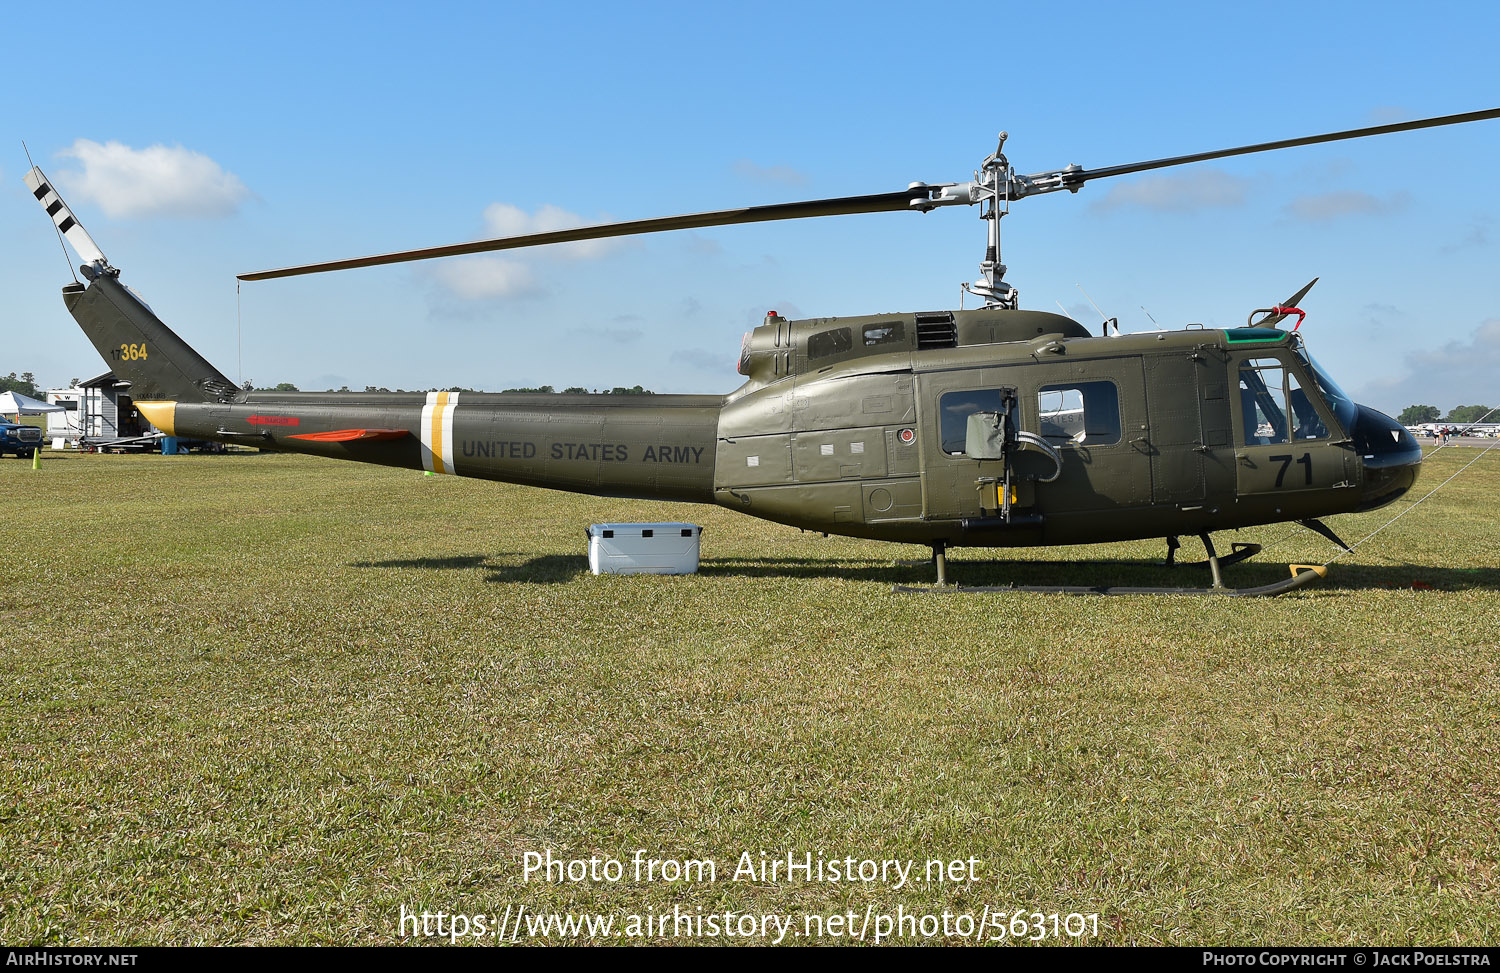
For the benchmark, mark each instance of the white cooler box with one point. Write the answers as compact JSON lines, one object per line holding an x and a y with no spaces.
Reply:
{"x":644,"y":548}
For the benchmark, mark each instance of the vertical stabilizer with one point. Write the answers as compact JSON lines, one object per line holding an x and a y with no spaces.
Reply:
{"x":133,"y":341}
{"x":140,"y":348}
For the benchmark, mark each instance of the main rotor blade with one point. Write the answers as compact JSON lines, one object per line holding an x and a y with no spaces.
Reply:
{"x":878,"y":203}
{"x":1070,"y":178}
{"x":1079,"y":176}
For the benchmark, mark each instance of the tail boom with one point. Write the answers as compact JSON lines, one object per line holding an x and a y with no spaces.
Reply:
{"x":658,"y":447}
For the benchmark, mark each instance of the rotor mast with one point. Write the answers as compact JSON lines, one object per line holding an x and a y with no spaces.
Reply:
{"x":994,"y":185}
{"x":993,"y":179}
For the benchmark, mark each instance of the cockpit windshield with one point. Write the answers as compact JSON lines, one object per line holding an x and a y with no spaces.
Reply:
{"x":1343,"y":407}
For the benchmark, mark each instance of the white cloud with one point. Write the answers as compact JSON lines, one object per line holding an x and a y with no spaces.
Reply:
{"x":488,"y":278}
{"x":485,"y":278}
{"x":1456,"y":373}
{"x":1323,"y":207}
{"x":1188,"y":191}
{"x":1477,"y":236}
{"x":503,"y":219}
{"x":157,"y":181}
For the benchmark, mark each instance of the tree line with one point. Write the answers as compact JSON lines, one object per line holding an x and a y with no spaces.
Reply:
{"x":23,"y":384}
{"x":1416,"y":415}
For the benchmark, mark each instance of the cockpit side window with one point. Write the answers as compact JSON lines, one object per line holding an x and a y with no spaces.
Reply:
{"x":1275,"y":407}
{"x":1344,"y":409}
{"x":1263,"y":402}
{"x":1306,"y":423}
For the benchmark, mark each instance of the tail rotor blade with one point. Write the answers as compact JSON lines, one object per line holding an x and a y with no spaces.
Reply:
{"x":67,"y":224}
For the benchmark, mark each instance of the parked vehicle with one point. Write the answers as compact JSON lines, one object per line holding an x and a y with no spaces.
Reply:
{"x":19,"y":439}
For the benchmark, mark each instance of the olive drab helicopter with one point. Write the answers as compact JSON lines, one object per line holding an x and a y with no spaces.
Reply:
{"x":993,"y":426}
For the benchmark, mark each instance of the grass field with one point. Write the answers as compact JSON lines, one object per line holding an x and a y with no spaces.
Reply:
{"x":264,"y":699}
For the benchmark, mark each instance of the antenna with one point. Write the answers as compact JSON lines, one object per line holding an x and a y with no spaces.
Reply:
{"x":1091,"y":301}
{"x":1109,"y":322}
{"x":1148,"y":314}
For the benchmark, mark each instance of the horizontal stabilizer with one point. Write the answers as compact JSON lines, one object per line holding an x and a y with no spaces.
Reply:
{"x":350,"y":435}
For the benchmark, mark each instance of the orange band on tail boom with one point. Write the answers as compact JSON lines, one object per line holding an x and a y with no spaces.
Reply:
{"x":349,"y":435}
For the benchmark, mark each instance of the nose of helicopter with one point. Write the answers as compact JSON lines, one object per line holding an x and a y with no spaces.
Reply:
{"x":1390,"y":454}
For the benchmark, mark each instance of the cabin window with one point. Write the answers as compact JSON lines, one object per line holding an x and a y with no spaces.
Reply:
{"x":1081,"y":413}
{"x":1263,"y":402}
{"x":956,"y":407}
{"x":1274,"y":407}
{"x":885,"y":333}
{"x":826,"y":343}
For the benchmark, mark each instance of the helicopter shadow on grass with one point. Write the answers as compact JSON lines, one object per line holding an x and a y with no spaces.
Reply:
{"x":541,"y":569}
{"x":518,"y":568}
{"x":856,"y":569}
{"x":990,"y":572}
{"x":507,"y":567}
{"x":1141,"y":572}
{"x":1414,"y":577}
{"x":1149,"y":572}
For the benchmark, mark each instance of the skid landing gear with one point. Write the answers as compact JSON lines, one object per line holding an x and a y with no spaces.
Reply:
{"x":1237,"y":552}
{"x":1301,"y":574}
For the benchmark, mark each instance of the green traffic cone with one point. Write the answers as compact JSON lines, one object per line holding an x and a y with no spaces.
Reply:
{"x":36,"y":458}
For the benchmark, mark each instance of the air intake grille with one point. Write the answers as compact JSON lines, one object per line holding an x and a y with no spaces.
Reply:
{"x":223,"y":391}
{"x":936,"y":330}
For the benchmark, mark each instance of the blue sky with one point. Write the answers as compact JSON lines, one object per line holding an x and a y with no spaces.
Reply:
{"x":199,"y":142}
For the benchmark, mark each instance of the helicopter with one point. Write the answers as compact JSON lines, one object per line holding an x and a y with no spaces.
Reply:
{"x":993,"y":426}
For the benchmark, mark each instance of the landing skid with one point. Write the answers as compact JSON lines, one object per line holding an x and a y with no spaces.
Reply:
{"x":1237,"y":552}
{"x":1301,"y":574}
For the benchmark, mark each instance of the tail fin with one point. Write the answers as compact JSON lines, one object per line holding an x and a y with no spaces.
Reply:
{"x":140,"y":348}
{"x":132,"y":339}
